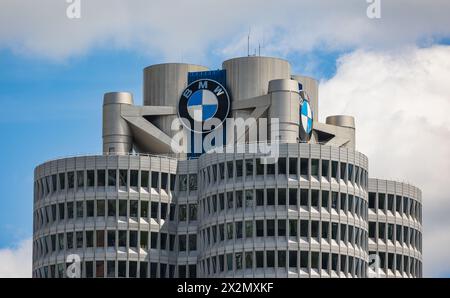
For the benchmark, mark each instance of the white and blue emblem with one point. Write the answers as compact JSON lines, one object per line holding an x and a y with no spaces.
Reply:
{"x":202,"y":103}
{"x":306,"y":117}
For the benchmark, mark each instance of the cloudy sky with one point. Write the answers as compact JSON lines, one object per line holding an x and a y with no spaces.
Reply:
{"x":391,"y":73}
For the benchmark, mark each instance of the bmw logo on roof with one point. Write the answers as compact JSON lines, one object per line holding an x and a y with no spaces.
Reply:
{"x":202,"y":101}
{"x":306,"y":117}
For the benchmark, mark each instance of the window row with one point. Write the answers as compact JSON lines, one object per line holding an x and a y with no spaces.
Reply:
{"x":381,"y":202}
{"x":233,"y":231}
{"x":291,"y":260}
{"x":114,"y":239}
{"x":397,"y":262}
{"x":292,"y":166}
{"x":101,"y":178}
{"x":99,"y":269}
{"x":110,"y":208}
{"x":305,"y":198}
{"x":402,"y":234}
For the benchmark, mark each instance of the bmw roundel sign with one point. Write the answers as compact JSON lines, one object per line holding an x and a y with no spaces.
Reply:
{"x":306,"y":116}
{"x":202,"y":101}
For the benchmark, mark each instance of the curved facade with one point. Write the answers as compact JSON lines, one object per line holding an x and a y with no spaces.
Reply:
{"x":395,"y":228}
{"x":303,"y":208}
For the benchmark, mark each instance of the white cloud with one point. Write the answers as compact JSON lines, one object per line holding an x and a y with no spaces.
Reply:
{"x":192,"y":30}
{"x":401,"y":102}
{"x":16,"y":262}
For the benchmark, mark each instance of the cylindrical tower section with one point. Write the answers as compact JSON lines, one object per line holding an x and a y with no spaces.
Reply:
{"x":311,"y":86}
{"x":117,"y":136}
{"x":347,"y":122}
{"x":285,"y":106}
{"x":163,"y":85}
{"x":395,"y":229}
{"x":249,"y":77}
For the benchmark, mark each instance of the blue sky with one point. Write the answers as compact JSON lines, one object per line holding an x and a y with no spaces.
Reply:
{"x":54,"y":72}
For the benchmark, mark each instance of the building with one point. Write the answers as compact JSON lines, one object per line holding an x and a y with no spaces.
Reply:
{"x":296,"y":201}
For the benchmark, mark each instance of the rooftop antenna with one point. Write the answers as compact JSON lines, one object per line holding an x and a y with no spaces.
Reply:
{"x":248,"y":41}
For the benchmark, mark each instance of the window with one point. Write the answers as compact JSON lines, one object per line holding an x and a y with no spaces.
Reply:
{"x":343,"y":171}
{"x":249,"y":260}
{"x":230,"y":169}
{"x":304,"y":197}
{"x":133,"y":178}
{"x":90,"y":208}
{"x":304,"y":166}
{"x":303,"y":228}
{"x":100,"y":238}
{"x":238,"y":230}
{"x":270,"y":197}
{"x":270,"y":227}
{"x":249,"y":229}
{"x":79,"y":209}
{"x":381,"y":202}
{"x":144,"y":179}
{"x":123,"y":238}
{"x":325,"y":168}
{"x":334,"y":169}
{"x":334,"y":231}
{"x":315,"y":167}
{"x":281,"y":196}
{"x":100,"y":177}
{"x":372,"y":197}
{"x":100,"y":208}
{"x":154,"y":210}
{"x":70,"y":180}
{"x":61,"y":211}
{"x":111,"y":208}
{"x":111,"y":238}
{"x":123,"y":177}
{"x":62,"y":181}
{"x":122,"y":208}
{"x":79,"y":239}
{"x":134,"y":205}
{"x":293,"y":228}
{"x":270,"y":258}
{"x":259,"y":197}
{"x":110,"y":269}
{"x":292,"y":196}
{"x":155,"y":181}
{"x":238,"y":199}
{"x":293,"y":259}
{"x":249,"y":167}
{"x":230,"y":231}
{"x":281,"y":166}
{"x":192,"y":242}
{"x":314,"y":229}
{"x":249,"y":198}
{"x":293,"y":166}
{"x":111,"y":177}
{"x":238,"y":168}
{"x":372,"y":229}
{"x":192,"y":212}
{"x":270,"y":169}
{"x":325,"y":199}
{"x":281,"y":258}
{"x":192,"y":182}
{"x":281,"y":227}
{"x":182,"y":213}
{"x":90,"y":180}
{"x":259,"y":167}
{"x":259,"y":259}
{"x":325,"y":229}
{"x":315,"y":198}
{"x":144,"y":209}
{"x":165,"y":177}
{"x":259,"y":228}
{"x":122,"y":269}
{"x":334,"y":200}
{"x":144,"y":240}
{"x":80,"y":179}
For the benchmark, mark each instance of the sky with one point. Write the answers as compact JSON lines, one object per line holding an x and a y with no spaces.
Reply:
{"x":391,"y":73}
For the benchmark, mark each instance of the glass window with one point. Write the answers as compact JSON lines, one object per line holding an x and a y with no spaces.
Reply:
{"x":111,"y":238}
{"x":144,"y":239}
{"x":249,"y":198}
{"x":259,"y":228}
{"x":144,"y":209}
{"x":281,"y":166}
{"x":90,"y":208}
{"x":133,"y":178}
{"x":259,"y":259}
{"x":154,"y":211}
{"x":70,"y":210}
{"x":325,"y":199}
{"x":304,"y":166}
{"x":270,"y":227}
{"x":238,"y":168}
{"x":90,"y":178}
{"x":238,"y":229}
{"x":270,"y":197}
{"x":293,"y":166}
{"x":325,"y":229}
{"x":238,"y":199}
{"x":270,"y":258}
{"x":144,"y":179}
{"x":111,"y":207}
{"x":100,"y":238}
{"x":229,"y":231}
{"x":292,"y":196}
{"x":315,"y":198}
{"x":281,"y":227}
{"x":249,"y":167}
{"x":122,"y":208}
{"x":334,"y":169}
{"x":70,"y":179}
{"x":80,"y":210}
{"x":372,"y":229}
{"x":230,"y":169}
{"x":259,"y":197}
{"x":304,"y":197}
{"x":134,"y":205}
{"x":293,"y":228}
{"x":111,"y":269}
{"x":281,"y":196}
{"x":303,"y":259}
{"x":100,"y":208}
{"x":281,"y":258}
{"x":155,"y":181}
{"x":123,"y":177}
{"x":192,"y":212}
{"x":293,"y":259}
{"x":80,"y":179}
{"x":315,"y":229}
{"x":343,"y":171}
{"x":381,"y":202}
{"x":270,"y":169}
{"x":315,"y":167}
{"x":192,"y":182}
{"x":249,"y":229}
{"x":79,"y":239}
{"x":303,"y":228}
{"x":249,"y":260}
{"x":372,"y":197}
{"x":100,"y":177}
{"x":111,"y":177}
{"x":154,"y":240}
{"x":325,"y":168}
{"x":62,"y":181}
{"x":122,"y":269}
{"x":123,"y":238}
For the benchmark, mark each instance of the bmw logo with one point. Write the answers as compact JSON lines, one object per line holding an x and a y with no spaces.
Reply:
{"x":201,"y":102}
{"x":306,"y":115}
